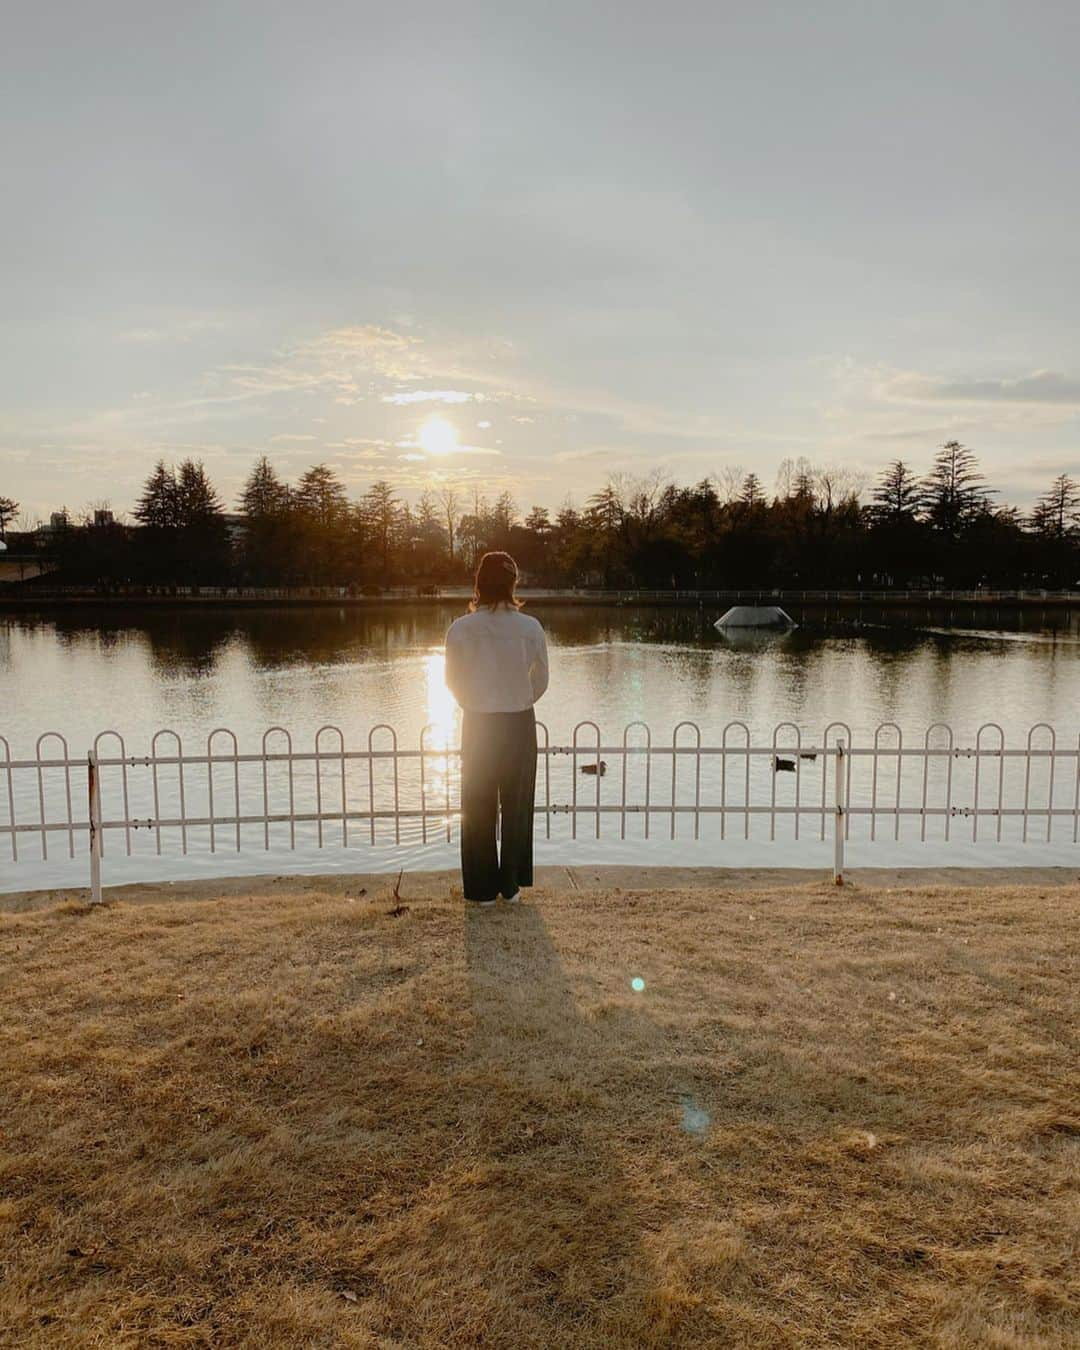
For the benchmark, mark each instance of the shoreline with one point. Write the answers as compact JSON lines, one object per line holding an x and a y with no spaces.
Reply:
{"x":937,"y":603}
{"x":563,"y":881}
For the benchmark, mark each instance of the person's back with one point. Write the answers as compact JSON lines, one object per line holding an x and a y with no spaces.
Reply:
{"x":496,"y":660}
{"x":496,"y":668}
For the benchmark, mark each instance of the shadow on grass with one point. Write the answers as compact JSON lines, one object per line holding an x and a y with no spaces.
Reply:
{"x":558,"y":1207}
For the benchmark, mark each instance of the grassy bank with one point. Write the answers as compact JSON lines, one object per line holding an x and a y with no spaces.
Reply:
{"x":321,"y":1118}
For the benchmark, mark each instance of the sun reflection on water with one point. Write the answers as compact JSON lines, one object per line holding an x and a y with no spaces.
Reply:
{"x":441,"y":773}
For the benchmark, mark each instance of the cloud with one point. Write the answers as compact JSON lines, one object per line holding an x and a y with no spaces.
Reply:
{"x":914,"y":434}
{"x":570,"y":456}
{"x":432,"y":396}
{"x":369,"y":347}
{"x":340,"y":363}
{"x":182,"y":330}
{"x":1041,"y":386}
{"x":281,"y":438}
{"x":409,"y":444}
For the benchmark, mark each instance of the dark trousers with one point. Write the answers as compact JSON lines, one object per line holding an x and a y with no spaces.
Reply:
{"x":498,"y":774}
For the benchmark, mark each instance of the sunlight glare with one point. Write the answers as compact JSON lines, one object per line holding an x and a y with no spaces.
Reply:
{"x":442,"y":721}
{"x":441,"y":708}
{"x":438,"y":436}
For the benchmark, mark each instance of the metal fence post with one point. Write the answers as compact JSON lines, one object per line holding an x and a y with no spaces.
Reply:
{"x":838,"y":819}
{"x":94,"y":796}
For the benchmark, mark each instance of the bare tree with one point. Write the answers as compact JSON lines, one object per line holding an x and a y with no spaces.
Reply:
{"x":729,"y":483}
{"x":450,"y":500}
{"x":504,"y":516}
{"x":835,"y":484}
{"x":9,"y":509}
{"x":794,"y":478}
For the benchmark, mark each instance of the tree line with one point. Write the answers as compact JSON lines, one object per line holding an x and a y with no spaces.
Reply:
{"x":820,"y":527}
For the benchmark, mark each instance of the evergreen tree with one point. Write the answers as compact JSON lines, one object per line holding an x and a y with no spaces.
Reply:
{"x":1057,"y":512}
{"x":1055,"y":524}
{"x":538,"y":522}
{"x":429,"y":551}
{"x":954,"y":490}
{"x":704,"y":501}
{"x":605,"y":510}
{"x":203,"y":538}
{"x":320,"y":496}
{"x":503,"y":519}
{"x":647,"y":532}
{"x":264,"y":495}
{"x":382,"y":515}
{"x":603,"y":521}
{"x":158,"y":507}
{"x":272,"y":533}
{"x":184,"y":538}
{"x":427,"y":514}
{"x":751,"y":495}
{"x":898,"y":495}
{"x":197,"y":502}
{"x":569,"y":519}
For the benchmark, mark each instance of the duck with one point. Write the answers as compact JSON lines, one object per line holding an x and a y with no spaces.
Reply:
{"x":600,"y":767}
{"x":783,"y":765}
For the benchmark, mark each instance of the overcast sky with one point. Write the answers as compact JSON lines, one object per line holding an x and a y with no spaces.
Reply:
{"x":591,"y":237}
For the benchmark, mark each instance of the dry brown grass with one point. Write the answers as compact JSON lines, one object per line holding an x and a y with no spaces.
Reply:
{"x":298,"y":1120}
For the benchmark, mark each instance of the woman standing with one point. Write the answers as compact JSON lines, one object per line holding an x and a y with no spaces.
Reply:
{"x":496,"y":668}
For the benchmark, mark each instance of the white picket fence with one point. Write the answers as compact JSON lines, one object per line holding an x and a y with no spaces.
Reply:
{"x":367,"y":795}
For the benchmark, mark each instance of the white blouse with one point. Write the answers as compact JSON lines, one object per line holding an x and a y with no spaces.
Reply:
{"x":496,"y":660}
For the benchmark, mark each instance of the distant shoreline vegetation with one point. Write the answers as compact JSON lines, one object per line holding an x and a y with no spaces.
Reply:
{"x":820,"y":528}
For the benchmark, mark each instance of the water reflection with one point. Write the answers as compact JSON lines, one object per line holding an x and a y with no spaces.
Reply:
{"x":441,"y":772}
{"x":441,"y":708}
{"x":81,"y":670}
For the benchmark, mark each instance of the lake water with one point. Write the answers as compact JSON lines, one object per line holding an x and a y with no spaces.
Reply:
{"x":79,"y":672}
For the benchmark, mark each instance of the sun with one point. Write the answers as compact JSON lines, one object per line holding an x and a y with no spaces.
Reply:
{"x":438,"y":436}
